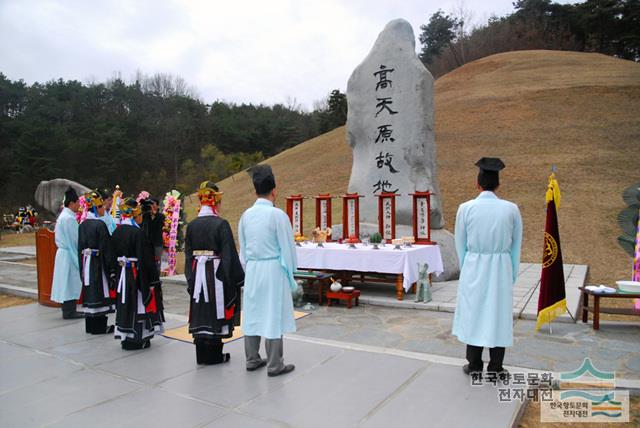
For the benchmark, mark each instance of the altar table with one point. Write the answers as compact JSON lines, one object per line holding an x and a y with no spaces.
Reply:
{"x":402,"y":262}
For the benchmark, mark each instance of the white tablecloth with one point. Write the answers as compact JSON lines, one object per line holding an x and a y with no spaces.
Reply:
{"x":336,"y":256}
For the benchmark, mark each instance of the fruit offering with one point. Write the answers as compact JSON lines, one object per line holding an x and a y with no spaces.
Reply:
{"x":353,"y":239}
{"x":320,"y":236}
{"x":298,"y":237}
{"x":408,"y":240}
{"x":376,"y":238}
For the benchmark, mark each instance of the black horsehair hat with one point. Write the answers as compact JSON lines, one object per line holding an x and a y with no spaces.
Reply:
{"x":263,"y":179}
{"x":488,"y":176}
{"x":70,"y":195}
{"x":490,"y":164}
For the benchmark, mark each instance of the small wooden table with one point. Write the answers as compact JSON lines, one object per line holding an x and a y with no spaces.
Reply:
{"x":596,"y":309}
{"x":341,"y":295}
{"x":321,"y":278}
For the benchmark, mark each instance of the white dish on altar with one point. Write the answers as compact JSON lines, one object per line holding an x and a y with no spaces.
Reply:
{"x":629,"y":286}
{"x":348,"y":289}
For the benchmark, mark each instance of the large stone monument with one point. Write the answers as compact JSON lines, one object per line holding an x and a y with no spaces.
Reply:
{"x":391,"y":130}
{"x":49,"y":194}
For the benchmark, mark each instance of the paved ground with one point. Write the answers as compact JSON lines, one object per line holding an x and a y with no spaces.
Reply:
{"x":525,"y":292}
{"x":53,"y":374}
{"x":366,"y":366}
{"x":614,"y":347}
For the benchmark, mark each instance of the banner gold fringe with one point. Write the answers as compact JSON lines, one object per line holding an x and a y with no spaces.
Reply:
{"x":553,"y":191}
{"x":550,"y":313}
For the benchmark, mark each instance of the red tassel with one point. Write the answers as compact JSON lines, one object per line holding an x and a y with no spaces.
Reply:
{"x":135,"y":272}
{"x":113,"y":293}
{"x":228,"y":312}
{"x":151,"y":306}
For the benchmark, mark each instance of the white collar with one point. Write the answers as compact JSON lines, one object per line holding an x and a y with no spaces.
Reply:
{"x":206,"y":211}
{"x":131,"y":222}
{"x":91,"y":215}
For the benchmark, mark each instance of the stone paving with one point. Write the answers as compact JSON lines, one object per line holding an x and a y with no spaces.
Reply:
{"x":53,"y":374}
{"x":615,"y":347}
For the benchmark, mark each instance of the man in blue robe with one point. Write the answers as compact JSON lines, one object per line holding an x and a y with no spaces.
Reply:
{"x":67,"y":286}
{"x":488,"y":235}
{"x":268,"y":251}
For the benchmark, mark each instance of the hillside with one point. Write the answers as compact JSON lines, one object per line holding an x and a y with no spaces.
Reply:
{"x":531,"y":108}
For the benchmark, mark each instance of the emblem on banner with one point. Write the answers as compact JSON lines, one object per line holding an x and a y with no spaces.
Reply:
{"x":550,"y":250}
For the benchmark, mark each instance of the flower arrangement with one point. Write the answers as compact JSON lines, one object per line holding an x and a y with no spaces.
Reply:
{"x":172,"y":208}
{"x":142,"y":196}
{"x":81,"y":214}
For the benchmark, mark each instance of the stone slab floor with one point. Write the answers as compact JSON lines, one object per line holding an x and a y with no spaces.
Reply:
{"x":53,"y":374}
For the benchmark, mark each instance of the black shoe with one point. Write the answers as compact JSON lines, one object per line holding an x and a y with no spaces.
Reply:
{"x":111,"y":329}
{"x":130,"y":346}
{"x":146,"y":344}
{"x":261,"y":364}
{"x":476,"y":374}
{"x":286,"y":369}
{"x":72,"y":315}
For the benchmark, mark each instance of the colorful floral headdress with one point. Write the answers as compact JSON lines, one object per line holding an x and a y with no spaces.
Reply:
{"x":209,"y":194}
{"x":93,"y":199}
{"x":130,"y":208}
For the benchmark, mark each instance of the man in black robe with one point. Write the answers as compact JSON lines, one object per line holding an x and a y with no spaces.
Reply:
{"x":138,"y":299}
{"x":97,"y":272}
{"x":214,"y":276}
{"x":152,"y":223}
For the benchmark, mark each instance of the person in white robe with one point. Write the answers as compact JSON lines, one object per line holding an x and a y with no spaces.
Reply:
{"x":267,"y":250}
{"x":66,"y":287}
{"x":488,"y":236}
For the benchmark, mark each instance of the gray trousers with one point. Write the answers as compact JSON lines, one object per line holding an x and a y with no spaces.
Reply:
{"x":275,"y":360}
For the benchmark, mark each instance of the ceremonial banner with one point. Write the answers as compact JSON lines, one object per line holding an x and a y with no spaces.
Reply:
{"x":171,"y":211}
{"x":115,"y":205}
{"x":294,"y":211}
{"x":552,"y":300}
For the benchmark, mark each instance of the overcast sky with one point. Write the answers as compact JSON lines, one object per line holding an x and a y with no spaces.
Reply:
{"x":259,"y":51}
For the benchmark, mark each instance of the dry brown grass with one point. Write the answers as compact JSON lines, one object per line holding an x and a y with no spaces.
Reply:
{"x":7,"y":300}
{"x":11,"y":239}
{"x":531,"y":108}
{"x":531,"y":417}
